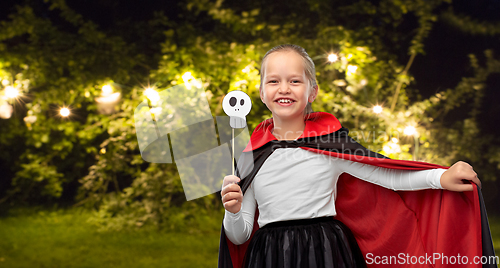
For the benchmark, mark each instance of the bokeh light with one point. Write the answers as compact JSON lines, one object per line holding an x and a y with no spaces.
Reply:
{"x":333,"y":57}
{"x":377,"y":109}
{"x":410,"y":131}
{"x":152,"y":95}
{"x":11,"y":92}
{"x":107,"y":90}
{"x":64,"y":112}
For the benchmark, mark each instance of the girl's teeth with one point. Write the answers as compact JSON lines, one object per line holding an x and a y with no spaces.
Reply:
{"x":284,"y":101}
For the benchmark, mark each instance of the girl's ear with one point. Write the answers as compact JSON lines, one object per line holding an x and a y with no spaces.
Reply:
{"x":261,"y":95}
{"x":314,"y":93}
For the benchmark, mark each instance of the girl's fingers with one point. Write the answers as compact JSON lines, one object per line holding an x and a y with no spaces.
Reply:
{"x":476,"y":180}
{"x":463,"y":187}
{"x":230,"y":188}
{"x":229,"y":179}
{"x":232,"y":196}
{"x":472,"y":176}
{"x":230,"y":203}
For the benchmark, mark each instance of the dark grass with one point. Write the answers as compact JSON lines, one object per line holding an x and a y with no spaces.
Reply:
{"x":494,"y":222}
{"x":65,"y":238}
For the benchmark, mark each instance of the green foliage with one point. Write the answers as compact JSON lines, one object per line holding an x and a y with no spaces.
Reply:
{"x":221,"y":43}
{"x":469,"y":25}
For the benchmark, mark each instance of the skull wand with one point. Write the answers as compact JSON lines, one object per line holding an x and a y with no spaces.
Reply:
{"x":236,"y":104}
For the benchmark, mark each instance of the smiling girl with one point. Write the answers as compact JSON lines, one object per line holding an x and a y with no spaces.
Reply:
{"x":294,"y":190}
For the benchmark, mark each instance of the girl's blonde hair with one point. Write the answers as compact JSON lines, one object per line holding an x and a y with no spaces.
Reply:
{"x":309,"y":67}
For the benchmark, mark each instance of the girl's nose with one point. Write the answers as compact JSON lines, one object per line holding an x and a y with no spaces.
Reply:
{"x":284,"y":89}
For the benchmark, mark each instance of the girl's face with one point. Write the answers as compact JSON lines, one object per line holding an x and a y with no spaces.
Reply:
{"x":285,"y":88}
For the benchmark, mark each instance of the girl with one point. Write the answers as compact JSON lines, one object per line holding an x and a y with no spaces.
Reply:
{"x":294,"y":190}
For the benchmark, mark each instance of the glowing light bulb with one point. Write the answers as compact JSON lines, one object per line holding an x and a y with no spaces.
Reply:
{"x":106,"y":103}
{"x":410,"y":130}
{"x":107,"y":90}
{"x":333,"y":57}
{"x":11,"y":92}
{"x":64,"y":112}
{"x":377,"y":109}
{"x":395,"y":140}
{"x":152,"y":95}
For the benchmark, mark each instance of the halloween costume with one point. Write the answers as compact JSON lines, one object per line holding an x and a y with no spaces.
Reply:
{"x":296,"y":184}
{"x":384,"y":222}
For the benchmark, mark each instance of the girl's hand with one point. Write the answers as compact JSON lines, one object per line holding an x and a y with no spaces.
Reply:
{"x":452,"y":178}
{"x":231,"y":194}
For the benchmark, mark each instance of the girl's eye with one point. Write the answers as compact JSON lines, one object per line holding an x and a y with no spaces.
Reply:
{"x":295,"y":81}
{"x":273,"y":81}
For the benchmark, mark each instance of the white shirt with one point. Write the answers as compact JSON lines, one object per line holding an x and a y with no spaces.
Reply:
{"x":294,"y":183}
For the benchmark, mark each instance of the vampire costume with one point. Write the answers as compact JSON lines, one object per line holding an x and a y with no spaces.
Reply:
{"x":425,"y":228}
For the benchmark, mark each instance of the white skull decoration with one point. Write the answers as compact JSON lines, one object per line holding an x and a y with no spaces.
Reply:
{"x":237,"y":104}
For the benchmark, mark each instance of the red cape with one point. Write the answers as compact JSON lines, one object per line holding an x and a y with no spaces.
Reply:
{"x":425,"y":228}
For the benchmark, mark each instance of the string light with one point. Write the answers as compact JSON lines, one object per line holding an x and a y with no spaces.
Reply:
{"x":107,"y":101}
{"x":64,"y":112}
{"x":152,"y":95}
{"x":395,"y":140}
{"x":333,"y":57}
{"x":377,"y":109}
{"x":115,"y":97}
{"x":11,"y":92}
{"x":410,"y":131}
{"x":106,"y":90}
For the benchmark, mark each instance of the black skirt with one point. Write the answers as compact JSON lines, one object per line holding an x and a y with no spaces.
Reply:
{"x":310,"y":243}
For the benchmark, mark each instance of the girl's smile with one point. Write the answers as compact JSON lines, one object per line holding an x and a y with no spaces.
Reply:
{"x":285,"y":101}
